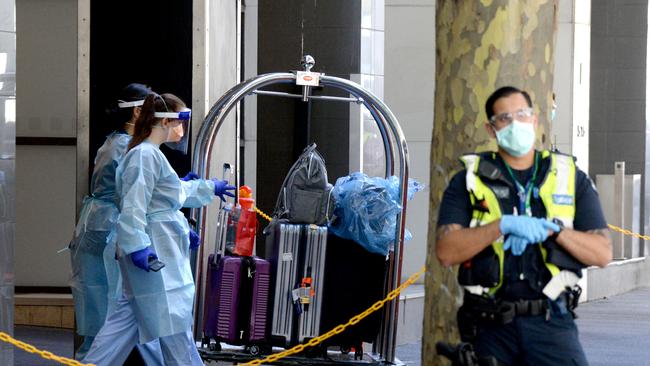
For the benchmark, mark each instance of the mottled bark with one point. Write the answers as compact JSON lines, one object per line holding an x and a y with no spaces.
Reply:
{"x":480,"y":46}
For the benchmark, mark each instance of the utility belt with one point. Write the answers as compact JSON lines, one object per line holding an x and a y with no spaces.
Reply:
{"x":501,"y":311}
{"x":478,"y":310}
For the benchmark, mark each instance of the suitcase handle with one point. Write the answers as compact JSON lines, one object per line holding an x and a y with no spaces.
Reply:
{"x":227,"y":168}
{"x":220,"y":248}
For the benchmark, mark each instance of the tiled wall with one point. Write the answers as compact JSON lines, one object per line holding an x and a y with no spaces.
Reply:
{"x":618,"y":85}
{"x":618,"y":90}
{"x":7,"y":171}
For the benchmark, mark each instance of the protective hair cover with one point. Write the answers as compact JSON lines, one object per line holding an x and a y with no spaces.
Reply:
{"x":133,"y":94}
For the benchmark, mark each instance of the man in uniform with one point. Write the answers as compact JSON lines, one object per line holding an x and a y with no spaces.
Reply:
{"x":522,"y":224}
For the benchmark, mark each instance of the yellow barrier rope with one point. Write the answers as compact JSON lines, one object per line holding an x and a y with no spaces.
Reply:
{"x":267,"y":217}
{"x":45,"y":354}
{"x":340,"y":328}
{"x":628,"y":232}
{"x":4,"y":337}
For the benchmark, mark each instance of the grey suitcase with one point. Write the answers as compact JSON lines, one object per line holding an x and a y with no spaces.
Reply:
{"x":298,"y":261}
{"x":284,"y":263}
{"x":312,"y":281}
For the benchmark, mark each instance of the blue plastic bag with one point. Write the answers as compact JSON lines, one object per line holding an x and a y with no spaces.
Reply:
{"x":366,"y":210}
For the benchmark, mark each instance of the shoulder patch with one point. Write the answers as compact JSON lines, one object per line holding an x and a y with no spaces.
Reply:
{"x":563,"y":199}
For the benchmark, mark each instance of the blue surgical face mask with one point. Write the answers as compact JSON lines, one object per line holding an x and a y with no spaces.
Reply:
{"x":517,"y":138}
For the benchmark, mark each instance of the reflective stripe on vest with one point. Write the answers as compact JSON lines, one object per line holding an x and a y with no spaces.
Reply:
{"x":557,"y":193}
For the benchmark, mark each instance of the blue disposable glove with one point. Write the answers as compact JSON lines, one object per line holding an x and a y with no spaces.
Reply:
{"x":221,"y":188}
{"x":195,"y":240}
{"x":532,"y":229}
{"x":516,"y":244}
{"x":190,"y":176}
{"x":140,"y":258}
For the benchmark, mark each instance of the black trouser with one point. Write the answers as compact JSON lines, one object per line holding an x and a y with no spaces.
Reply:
{"x":549,"y":338}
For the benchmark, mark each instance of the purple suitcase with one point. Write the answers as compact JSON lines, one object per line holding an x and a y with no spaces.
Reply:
{"x":237,"y":292}
{"x":211,"y":301}
{"x":260,"y":301}
{"x":242,"y":293}
{"x":229,"y":283}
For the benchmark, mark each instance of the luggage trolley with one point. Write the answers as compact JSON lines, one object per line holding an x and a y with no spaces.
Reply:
{"x":395,"y":148}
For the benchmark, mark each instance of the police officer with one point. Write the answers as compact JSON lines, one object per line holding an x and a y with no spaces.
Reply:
{"x":521,"y":223}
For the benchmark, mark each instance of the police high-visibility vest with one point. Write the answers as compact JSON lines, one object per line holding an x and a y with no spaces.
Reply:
{"x":557,"y":192}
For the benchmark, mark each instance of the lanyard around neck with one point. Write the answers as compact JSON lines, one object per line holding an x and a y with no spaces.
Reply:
{"x":525,"y":192}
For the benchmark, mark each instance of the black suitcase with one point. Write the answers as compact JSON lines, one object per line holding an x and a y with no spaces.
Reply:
{"x":354,"y":281}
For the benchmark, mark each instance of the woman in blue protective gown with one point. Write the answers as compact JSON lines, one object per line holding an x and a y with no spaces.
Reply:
{"x":95,"y":272}
{"x":155,"y":304}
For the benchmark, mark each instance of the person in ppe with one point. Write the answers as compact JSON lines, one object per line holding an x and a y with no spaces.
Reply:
{"x":522,"y":223}
{"x":157,"y":302}
{"x":95,"y":273}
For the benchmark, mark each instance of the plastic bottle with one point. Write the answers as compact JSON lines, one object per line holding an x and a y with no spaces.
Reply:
{"x":247,"y":223}
{"x":231,"y":228}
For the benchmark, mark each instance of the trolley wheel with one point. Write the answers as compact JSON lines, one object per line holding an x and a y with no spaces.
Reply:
{"x":345,"y":350}
{"x":316,"y":352}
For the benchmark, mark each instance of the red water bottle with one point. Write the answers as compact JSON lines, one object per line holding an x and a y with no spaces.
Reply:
{"x":247,"y":224}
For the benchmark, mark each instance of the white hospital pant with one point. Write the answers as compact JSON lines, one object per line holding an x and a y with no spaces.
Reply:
{"x":150,"y":352}
{"x":119,"y":334}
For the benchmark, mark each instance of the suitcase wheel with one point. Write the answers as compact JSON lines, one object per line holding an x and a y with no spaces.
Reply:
{"x":215,"y":347}
{"x":259,"y":349}
{"x":255,"y":350}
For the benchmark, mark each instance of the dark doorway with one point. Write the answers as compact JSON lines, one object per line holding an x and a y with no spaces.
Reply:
{"x":146,"y":41}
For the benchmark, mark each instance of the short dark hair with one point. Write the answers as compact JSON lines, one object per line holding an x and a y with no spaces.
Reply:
{"x":502,"y":92}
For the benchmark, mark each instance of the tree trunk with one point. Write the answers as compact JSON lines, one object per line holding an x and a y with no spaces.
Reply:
{"x":480,"y":46}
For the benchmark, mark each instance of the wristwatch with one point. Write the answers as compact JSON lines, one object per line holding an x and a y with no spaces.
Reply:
{"x":559,"y":223}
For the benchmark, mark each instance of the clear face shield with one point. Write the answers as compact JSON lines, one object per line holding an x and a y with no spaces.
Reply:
{"x":122,"y":104}
{"x":125,"y":104}
{"x":177,"y":129}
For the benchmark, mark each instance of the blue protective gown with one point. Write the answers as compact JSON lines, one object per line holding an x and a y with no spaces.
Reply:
{"x":151,"y":195}
{"x":89,"y":282}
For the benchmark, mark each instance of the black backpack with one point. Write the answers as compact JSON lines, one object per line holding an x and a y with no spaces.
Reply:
{"x":305,"y":195}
